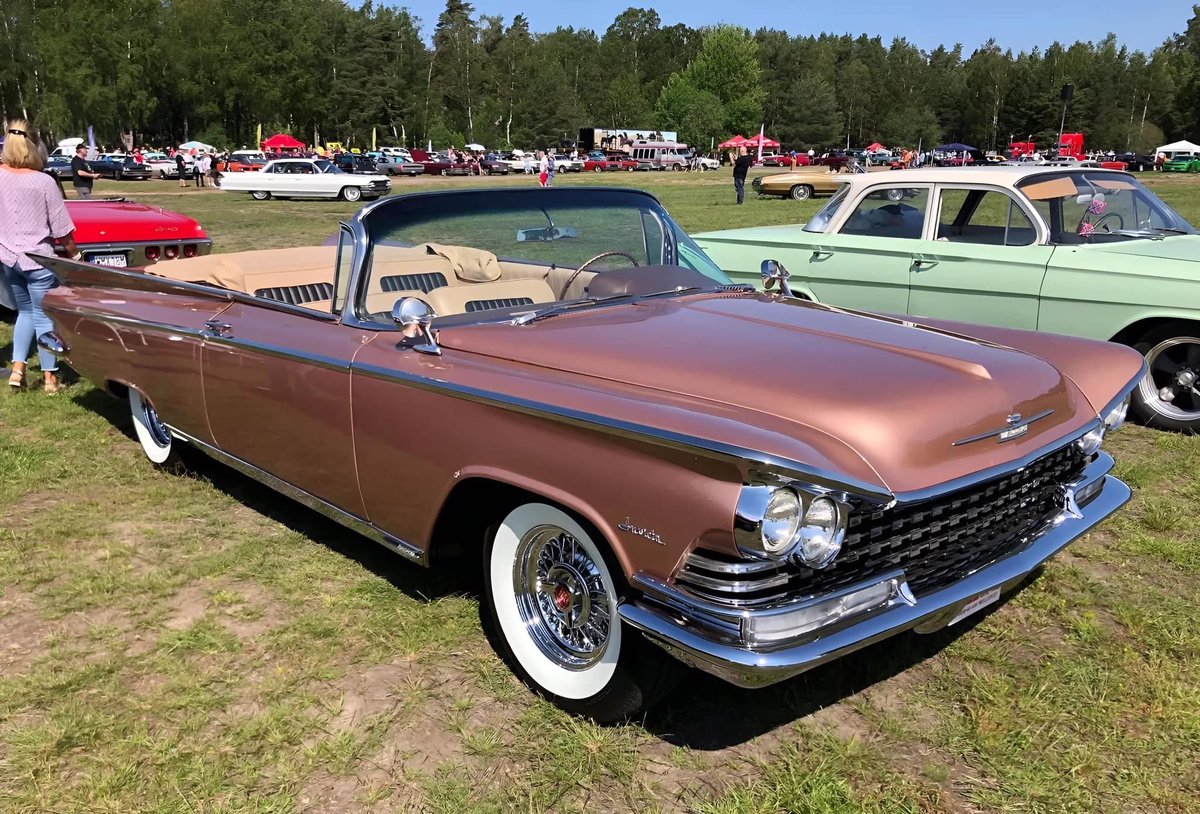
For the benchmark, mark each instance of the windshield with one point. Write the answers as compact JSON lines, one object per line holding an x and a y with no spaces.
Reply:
{"x":1100,"y":207}
{"x":820,"y":220}
{"x":509,"y":248}
{"x":326,"y":166}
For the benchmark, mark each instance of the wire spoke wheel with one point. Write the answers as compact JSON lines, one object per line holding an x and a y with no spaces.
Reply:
{"x":561,"y":597}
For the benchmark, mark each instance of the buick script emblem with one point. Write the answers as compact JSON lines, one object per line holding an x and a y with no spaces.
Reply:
{"x":1016,"y":426}
{"x":640,"y":531}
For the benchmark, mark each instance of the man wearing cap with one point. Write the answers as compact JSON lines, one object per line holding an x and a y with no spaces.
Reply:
{"x":82,"y":176}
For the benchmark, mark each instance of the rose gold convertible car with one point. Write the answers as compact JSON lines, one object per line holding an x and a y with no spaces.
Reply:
{"x":558,"y":386}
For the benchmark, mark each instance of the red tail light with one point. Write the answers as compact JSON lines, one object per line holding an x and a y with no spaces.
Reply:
{"x":152,"y":253}
{"x":190,"y":250}
{"x":171,"y":252}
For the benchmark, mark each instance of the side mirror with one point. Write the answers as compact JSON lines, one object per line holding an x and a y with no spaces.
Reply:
{"x":414,"y":316}
{"x":774,"y":272}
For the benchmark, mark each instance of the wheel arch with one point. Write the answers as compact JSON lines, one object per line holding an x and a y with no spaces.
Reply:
{"x":1131,"y":333}
{"x":482,"y":497}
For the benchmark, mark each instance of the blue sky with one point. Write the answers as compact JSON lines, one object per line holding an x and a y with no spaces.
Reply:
{"x":1019,"y":26}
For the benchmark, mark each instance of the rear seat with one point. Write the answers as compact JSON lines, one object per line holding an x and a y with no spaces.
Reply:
{"x":466,"y":299}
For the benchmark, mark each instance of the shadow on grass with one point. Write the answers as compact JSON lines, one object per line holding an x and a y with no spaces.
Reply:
{"x":707,"y":714}
{"x":415,"y":581}
{"x":704,"y":713}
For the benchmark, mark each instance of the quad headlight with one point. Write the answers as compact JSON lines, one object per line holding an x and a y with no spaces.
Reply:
{"x":782,"y":522}
{"x":1116,"y":416}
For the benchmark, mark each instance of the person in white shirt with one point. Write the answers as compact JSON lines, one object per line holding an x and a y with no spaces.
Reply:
{"x":543,"y":168}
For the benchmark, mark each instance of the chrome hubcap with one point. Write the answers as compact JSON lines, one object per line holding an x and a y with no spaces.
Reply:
{"x":561,"y":597}
{"x":1170,"y":388}
{"x":158,"y":430}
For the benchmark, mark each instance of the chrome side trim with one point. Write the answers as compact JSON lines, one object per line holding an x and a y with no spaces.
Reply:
{"x":132,"y":322}
{"x":702,"y":636}
{"x":625,"y":429}
{"x":350,"y":521}
{"x":277,"y":351}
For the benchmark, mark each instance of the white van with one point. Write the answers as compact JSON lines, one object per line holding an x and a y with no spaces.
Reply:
{"x":660,"y":155}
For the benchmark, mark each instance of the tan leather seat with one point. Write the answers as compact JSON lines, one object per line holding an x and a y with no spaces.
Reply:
{"x":462,"y":299}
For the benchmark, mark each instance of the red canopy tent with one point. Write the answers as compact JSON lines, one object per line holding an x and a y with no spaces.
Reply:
{"x":736,"y":141}
{"x":765,"y":141}
{"x":282,"y":141}
{"x":875,"y":148}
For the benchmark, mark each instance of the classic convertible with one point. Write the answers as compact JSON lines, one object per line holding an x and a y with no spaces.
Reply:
{"x":800,"y":185}
{"x":1070,"y":250}
{"x":560,"y":388}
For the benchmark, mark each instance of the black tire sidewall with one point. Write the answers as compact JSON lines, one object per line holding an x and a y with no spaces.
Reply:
{"x":1145,"y":414}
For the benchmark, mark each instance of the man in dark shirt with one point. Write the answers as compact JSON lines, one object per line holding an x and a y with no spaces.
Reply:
{"x":740,"y":167}
{"x":81,"y":173}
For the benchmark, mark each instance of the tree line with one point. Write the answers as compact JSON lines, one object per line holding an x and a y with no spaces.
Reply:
{"x":158,"y":71}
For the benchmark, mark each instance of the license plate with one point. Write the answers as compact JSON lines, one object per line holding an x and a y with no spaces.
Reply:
{"x":109,"y":260}
{"x":981,"y":601}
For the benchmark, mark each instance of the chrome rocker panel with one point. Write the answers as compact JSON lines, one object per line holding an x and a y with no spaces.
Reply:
{"x":700,"y":638}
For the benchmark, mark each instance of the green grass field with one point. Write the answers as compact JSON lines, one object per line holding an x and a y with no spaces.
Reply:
{"x":196,"y":643}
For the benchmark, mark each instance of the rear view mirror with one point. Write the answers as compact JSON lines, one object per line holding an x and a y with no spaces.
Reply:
{"x":546,"y":233}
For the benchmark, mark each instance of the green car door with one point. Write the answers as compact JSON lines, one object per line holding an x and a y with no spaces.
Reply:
{"x":985,"y":262}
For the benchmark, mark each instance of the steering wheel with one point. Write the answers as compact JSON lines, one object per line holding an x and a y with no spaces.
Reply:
{"x":586,"y":263}
{"x":1100,"y":221}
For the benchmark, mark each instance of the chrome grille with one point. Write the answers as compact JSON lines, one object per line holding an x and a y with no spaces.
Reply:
{"x":936,"y":542}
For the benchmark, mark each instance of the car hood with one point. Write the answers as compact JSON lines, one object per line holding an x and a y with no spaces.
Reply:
{"x":880,"y":400}
{"x":1173,"y":247}
{"x":99,"y":221}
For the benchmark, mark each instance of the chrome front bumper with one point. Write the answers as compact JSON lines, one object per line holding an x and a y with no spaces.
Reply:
{"x":712,"y":638}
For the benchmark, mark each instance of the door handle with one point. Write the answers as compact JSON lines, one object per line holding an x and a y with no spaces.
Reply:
{"x":819,"y":254}
{"x":217,"y":328}
{"x":923,"y":263}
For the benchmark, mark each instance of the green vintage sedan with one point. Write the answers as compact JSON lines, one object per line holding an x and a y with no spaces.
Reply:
{"x":1081,"y":251}
{"x":1183,"y":163}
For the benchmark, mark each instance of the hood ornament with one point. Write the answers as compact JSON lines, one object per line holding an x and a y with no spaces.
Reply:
{"x":1015,"y":427}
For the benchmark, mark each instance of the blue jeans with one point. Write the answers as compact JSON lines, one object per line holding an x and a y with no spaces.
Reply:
{"x":739,"y":184}
{"x":28,"y":288}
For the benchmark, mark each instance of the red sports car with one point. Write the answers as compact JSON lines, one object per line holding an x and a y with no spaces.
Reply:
{"x":597,"y":161}
{"x":121,"y":232}
{"x":782,"y":160}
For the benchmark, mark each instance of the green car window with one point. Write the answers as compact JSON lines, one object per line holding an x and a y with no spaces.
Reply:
{"x":896,"y":212}
{"x":985,"y":217}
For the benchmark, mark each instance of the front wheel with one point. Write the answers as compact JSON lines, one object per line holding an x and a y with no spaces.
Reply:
{"x":1168,"y":396}
{"x":550,"y":604}
{"x":801,"y":192}
{"x":260,"y":195}
{"x":351,"y":194}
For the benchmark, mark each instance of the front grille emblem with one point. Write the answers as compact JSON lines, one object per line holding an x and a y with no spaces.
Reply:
{"x":1016,"y":426}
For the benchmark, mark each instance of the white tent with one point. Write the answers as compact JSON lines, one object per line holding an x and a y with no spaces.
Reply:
{"x":1184,"y":146}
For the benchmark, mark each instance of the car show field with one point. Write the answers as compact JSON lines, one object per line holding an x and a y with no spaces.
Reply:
{"x":187,"y":640}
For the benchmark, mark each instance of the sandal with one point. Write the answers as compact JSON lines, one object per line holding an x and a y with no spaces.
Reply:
{"x":51,"y":383}
{"x":16,"y":379}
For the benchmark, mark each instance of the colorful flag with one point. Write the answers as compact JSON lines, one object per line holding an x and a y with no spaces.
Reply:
{"x":372,"y":138}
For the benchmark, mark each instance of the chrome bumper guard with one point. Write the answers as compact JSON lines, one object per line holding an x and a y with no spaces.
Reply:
{"x":761,"y":646}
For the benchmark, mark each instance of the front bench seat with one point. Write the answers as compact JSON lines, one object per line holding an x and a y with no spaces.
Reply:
{"x":488,"y":296}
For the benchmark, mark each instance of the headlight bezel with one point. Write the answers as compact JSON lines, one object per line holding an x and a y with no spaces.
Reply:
{"x":750,"y":524}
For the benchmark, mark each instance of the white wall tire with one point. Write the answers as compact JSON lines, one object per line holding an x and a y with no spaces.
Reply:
{"x":260,"y":195}
{"x":151,"y":433}
{"x":550,"y":604}
{"x":351,"y":194}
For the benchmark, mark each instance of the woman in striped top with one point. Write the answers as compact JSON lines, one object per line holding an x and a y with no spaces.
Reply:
{"x":32,"y":216}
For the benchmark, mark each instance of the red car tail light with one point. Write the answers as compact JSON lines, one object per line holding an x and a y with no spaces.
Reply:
{"x":171,"y":252}
{"x":152,"y":253}
{"x":190,"y":250}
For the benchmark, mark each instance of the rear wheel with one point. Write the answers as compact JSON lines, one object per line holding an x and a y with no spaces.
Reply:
{"x":351,"y":194}
{"x":550,"y":604}
{"x":801,"y":192}
{"x":151,"y":432}
{"x":1169,"y":395}
{"x":260,"y":195}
